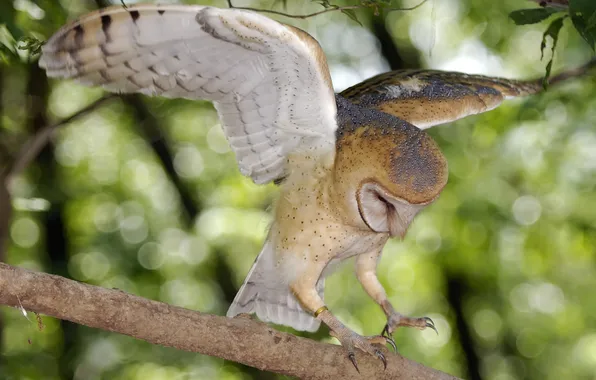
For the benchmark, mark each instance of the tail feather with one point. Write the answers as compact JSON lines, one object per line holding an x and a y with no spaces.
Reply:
{"x":265,"y":293}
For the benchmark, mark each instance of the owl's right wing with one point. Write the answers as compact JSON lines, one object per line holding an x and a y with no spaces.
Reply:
{"x":269,"y":82}
{"x":427,"y":98}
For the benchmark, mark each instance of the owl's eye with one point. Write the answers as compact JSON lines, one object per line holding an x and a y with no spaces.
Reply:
{"x":384,"y":212}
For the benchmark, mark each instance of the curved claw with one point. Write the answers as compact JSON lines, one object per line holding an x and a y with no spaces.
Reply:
{"x":387,"y":335}
{"x":431,"y":324}
{"x":392,"y":343}
{"x":352,"y":358}
{"x":382,"y":357}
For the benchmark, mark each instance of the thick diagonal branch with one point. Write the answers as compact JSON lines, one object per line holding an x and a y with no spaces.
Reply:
{"x":241,"y":339}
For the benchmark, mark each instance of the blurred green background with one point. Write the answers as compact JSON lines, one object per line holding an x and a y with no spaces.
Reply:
{"x":144,"y":195}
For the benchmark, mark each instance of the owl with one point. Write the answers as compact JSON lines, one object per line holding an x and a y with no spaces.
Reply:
{"x":353,"y":168}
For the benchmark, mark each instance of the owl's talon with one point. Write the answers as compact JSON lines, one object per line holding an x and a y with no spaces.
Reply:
{"x":352,"y":358}
{"x":391,"y":343}
{"x":350,"y":340}
{"x":431,"y":324}
{"x":382,"y":357}
{"x":385,"y":331}
{"x":396,"y":320}
{"x":389,"y":339}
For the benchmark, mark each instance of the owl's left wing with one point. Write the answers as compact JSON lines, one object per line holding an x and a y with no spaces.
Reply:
{"x":427,"y":98}
{"x":269,"y":82}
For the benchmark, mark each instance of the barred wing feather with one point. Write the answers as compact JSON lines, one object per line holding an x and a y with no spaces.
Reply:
{"x":269,"y":82}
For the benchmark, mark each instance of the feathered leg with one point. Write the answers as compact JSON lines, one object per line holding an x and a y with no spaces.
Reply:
{"x":305,"y":292}
{"x":366,"y":270}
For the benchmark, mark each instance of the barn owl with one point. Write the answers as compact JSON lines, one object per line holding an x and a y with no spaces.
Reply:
{"x":354,"y":168}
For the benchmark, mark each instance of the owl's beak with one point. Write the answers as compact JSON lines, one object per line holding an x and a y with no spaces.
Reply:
{"x":383,"y":212}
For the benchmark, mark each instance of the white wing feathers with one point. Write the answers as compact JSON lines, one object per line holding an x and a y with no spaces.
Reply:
{"x":269,"y":82}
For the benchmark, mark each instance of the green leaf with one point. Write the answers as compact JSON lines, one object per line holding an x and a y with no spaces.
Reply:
{"x":553,"y":32}
{"x":531,"y":16}
{"x":592,"y":21}
{"x":7,"y":45}
{"x":325,"y":3}
{"x":30,"y":44}
{"x":583,"y":15}
{"x":351,"y":14}
{"x":7,"y":18}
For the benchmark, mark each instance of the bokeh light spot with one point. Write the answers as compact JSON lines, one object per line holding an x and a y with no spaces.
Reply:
{"x":93,"y":265}
{"x":487,"y":324}
{"x":24,"y":232}
{"x":188,"y":162}
{"x":526,"y":210}
{"x":150,"y":256}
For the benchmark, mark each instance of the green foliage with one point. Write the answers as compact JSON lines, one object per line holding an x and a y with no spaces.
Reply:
{"x":351,"y":14}
{"x":531,"y":16}
{"x":7,"y":18}
{"x":553,"y":32}
{"x":583,"y":15}
{"x":7,"y":45}
{"x":350,"y":10}
{"x":30,"y":44}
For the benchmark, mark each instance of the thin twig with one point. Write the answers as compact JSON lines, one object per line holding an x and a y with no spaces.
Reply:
{"x":31,"y":148}
{"x":332,"y":9}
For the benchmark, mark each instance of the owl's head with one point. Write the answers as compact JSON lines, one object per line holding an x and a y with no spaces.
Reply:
{"x":386,"y":169}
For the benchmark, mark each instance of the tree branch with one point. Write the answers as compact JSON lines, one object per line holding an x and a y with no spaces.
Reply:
{"x":332,"y":8}
{"x":31,"y":148}
{"x":239,"y":339}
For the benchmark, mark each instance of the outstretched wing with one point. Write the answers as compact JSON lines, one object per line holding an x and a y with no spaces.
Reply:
{"x":427,"y":98}
{"x":269,"y":82}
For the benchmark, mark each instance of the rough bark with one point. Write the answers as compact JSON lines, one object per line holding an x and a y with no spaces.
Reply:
{"x":240,"y":339}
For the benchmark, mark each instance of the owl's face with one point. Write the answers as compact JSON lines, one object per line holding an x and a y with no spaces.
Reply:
{"x":388,"y":168}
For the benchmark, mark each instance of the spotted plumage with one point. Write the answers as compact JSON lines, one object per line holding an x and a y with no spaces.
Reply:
{"x":354,"y":169}
{"x":427,"y":98}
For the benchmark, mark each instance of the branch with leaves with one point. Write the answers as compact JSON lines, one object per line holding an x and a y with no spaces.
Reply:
{"x":243,"y":340}
{"x":581,"y":12}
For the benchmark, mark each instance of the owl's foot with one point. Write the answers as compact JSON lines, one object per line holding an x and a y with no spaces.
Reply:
{"x":369,"y":344}
{"x":396,"y":320}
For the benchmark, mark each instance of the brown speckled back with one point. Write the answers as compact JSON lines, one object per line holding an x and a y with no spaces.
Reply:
{"x":429,"y":97}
